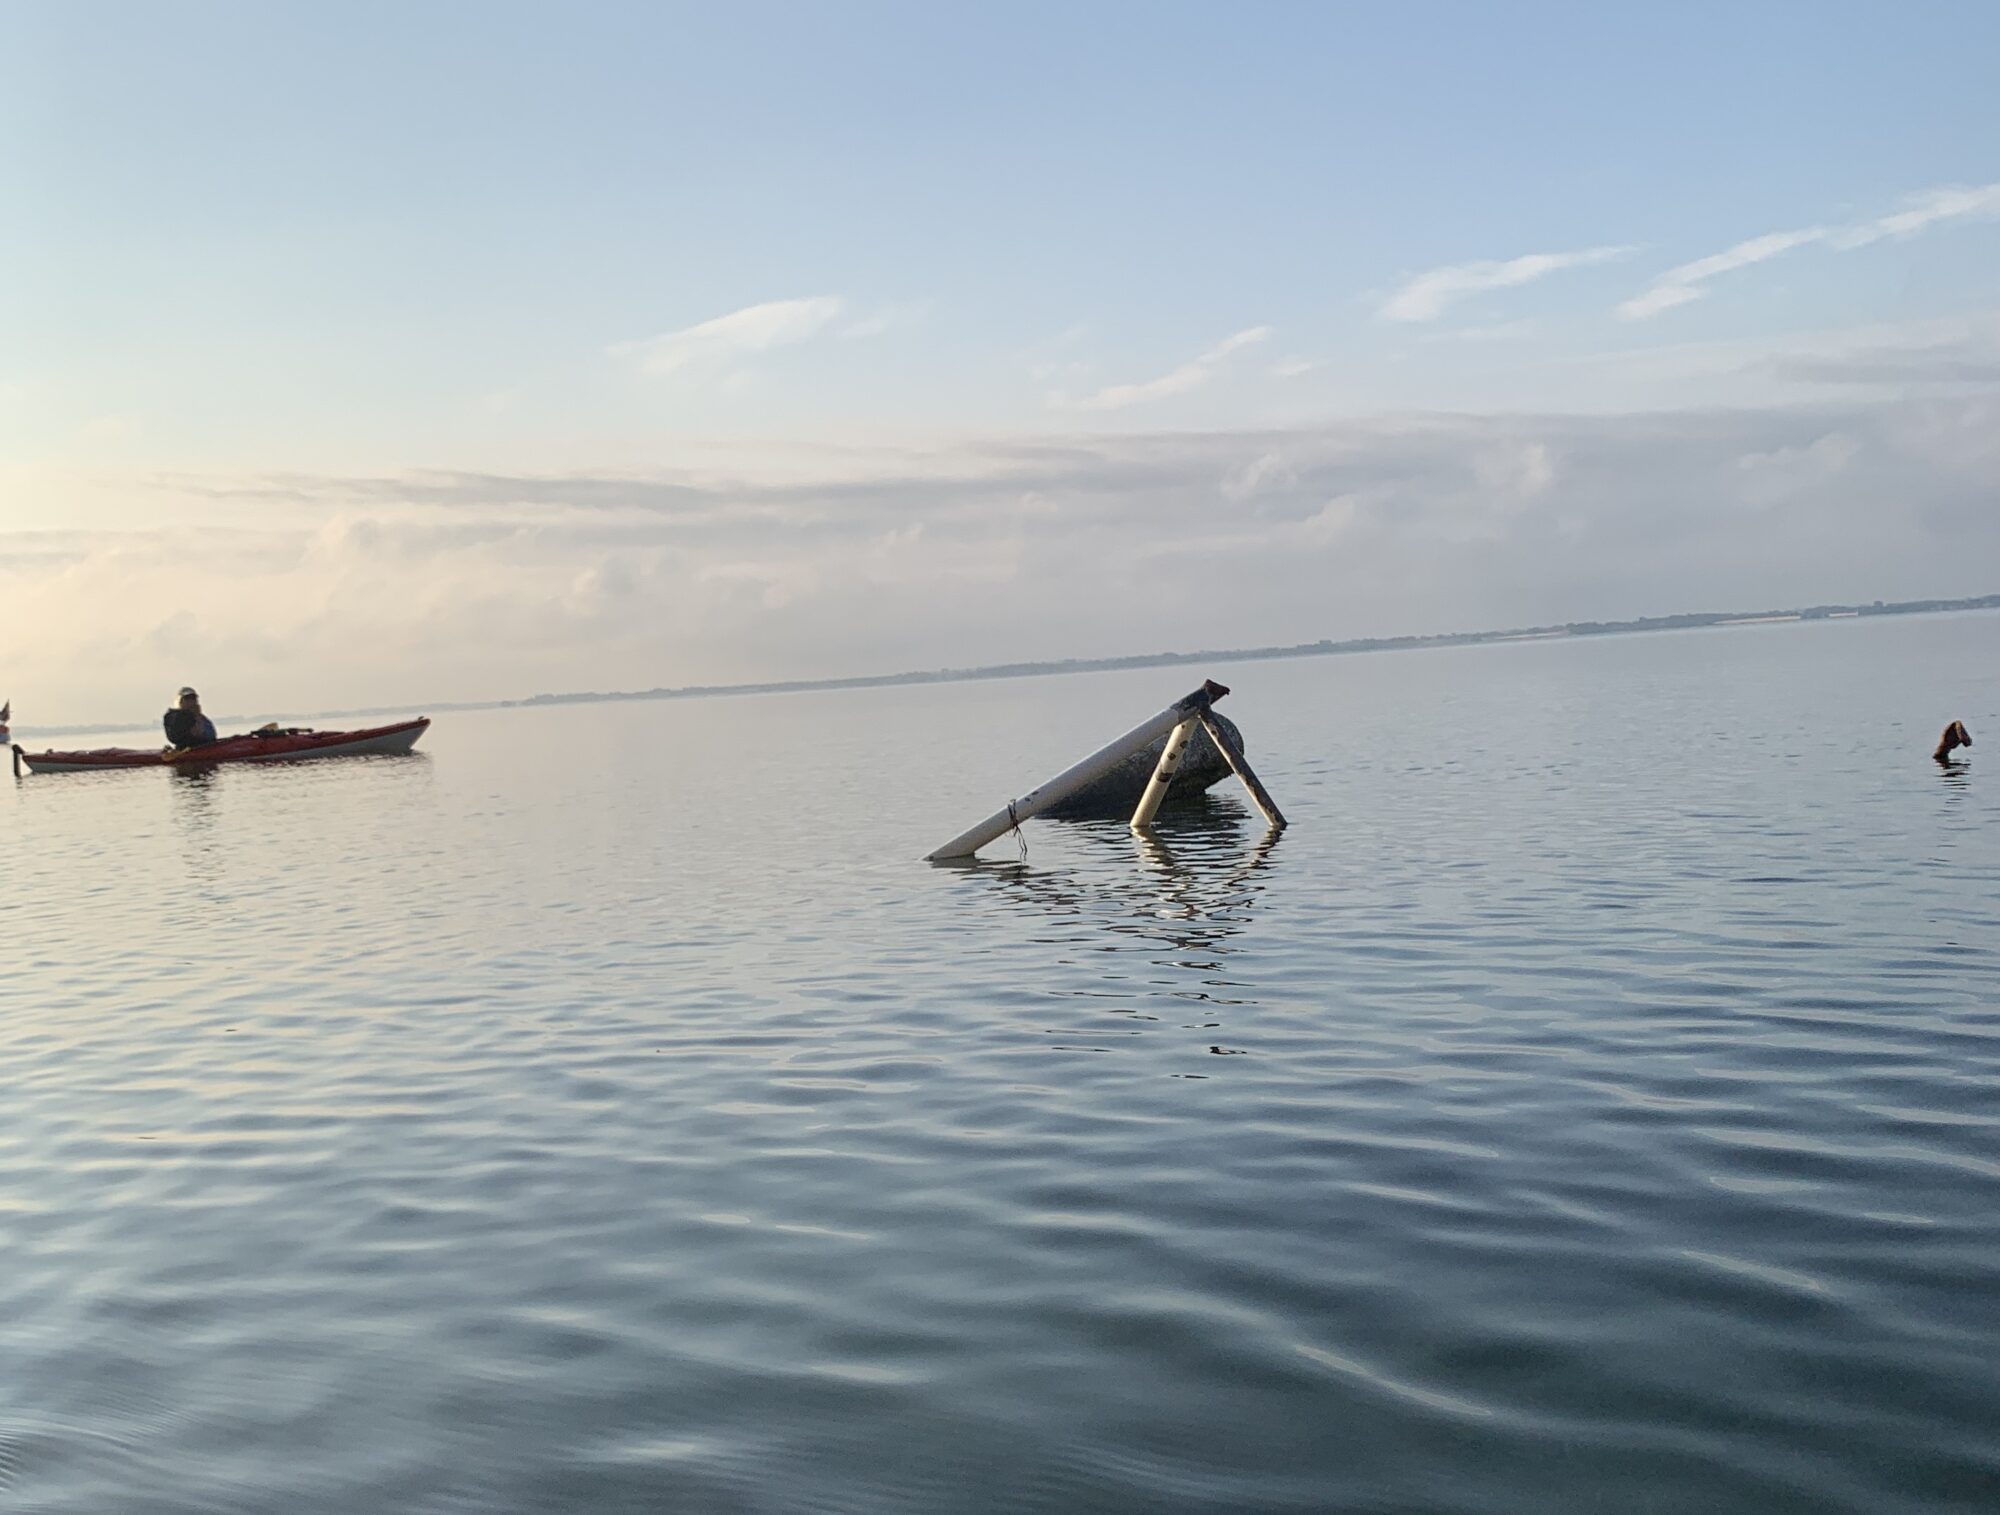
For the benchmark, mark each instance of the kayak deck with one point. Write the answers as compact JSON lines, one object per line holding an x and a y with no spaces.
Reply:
{"x":251,"y":748}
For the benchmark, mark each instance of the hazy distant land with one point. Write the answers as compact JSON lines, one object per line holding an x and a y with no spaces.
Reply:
{"x":1324,"y":648}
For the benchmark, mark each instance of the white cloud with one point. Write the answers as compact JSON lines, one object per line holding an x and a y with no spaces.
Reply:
{"x":1689,"y":281}
{"x":1679,"y":286}
{"x":1190,"y":375}
{"x":1293,"y":368}
{"x":1516,"y":469}
{"x":753,"y":329}
{"x":1921,"y":212}
{"x":1263,"y":473}
{"x":1425,"y":297}
{"x":886,"y":318}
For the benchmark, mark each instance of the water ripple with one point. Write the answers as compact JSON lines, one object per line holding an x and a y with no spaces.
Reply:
{"x":1533,"y":1126}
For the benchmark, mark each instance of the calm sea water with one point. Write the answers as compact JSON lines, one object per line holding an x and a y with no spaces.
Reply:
{"x":1589,"y":1103}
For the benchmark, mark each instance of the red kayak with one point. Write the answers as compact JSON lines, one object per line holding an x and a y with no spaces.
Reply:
{"x":256,"y":747}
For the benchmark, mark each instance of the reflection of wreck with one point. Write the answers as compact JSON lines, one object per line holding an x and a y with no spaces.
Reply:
{"x":1174,"y":920}
{"x":1184,"y":902}
{"x":1114,"y":793}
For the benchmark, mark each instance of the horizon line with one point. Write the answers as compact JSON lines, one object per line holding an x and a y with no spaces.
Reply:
{"x":1325,"y":647}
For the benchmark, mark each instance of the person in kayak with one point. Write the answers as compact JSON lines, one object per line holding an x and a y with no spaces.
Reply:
{"x":186,"y":725}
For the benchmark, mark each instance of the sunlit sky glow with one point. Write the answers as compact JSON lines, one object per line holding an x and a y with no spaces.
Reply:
{"x":374,"y":353}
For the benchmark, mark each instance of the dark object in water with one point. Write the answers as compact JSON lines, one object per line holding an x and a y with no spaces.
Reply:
{"x":1113,"y":796}
{"x":1955,"y":735}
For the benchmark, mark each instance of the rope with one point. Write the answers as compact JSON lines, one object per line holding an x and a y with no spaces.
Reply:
{"x":1020,"y":836}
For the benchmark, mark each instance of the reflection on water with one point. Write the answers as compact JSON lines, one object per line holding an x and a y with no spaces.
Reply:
{"x":193,"y":792}
{"x":1179,"y":892}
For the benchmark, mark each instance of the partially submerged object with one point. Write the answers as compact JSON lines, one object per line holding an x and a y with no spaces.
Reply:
{"x":1173,"y":729}
{"x":256,"y":747}
{"x":1119,"y":787}
{"x":1955,"y":736}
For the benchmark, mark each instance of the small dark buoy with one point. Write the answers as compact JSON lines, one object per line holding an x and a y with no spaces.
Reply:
{"x":1955,"y":736}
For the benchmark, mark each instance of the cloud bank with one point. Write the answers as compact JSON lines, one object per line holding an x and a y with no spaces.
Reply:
{"x":332,"y":592}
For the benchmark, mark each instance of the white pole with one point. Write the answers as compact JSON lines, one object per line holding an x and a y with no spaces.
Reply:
{"x":1156,"y":786}
{"x":1071,"y":779}
{"x":1258,"y":794}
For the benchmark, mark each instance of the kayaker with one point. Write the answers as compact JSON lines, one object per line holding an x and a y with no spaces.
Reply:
{"x":186,"y":725}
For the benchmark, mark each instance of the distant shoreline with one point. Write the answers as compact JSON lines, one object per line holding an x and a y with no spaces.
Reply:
{"x":1325,"y":648}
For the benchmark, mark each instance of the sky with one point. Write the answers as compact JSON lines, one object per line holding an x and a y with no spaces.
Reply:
{"x":367,"y":354}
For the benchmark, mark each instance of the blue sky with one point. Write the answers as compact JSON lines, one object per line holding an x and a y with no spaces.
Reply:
{"x":271,"y":268}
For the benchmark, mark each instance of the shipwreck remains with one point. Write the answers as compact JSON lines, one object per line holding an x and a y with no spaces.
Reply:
{"x":1162,"y":745}
{"x":1118,"y":789}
